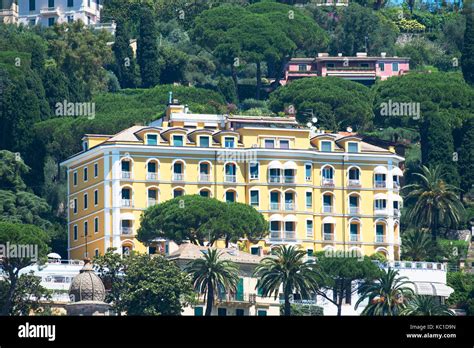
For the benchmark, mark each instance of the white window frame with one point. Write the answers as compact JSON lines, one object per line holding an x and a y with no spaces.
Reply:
{"x":75,"y":232}
{"x":85,"y":170}
{"x":96,"y":170}
{"x":349,"y":143}
{"x":252,"y":164}
{"x":85,"y":201}
{"x":258,"y":197}
{"x":75,"y":208}
{"x":269,"y":139}
{"x":155,"y":134}
{"x":330,"y":145}
{"x":310,"y":178}
{"x":178,"y":135}
{"x":312,"y":228}
{"x":96,"y":195}
{"x":306,"y":199}
{"x":96,"y":224}
{"x":208,"y":139}
{"x":74,"y":178}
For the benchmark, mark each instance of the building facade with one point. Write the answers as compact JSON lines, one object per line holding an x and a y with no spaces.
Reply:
{"x":8,"y":12}
{"x":360,"y":68}
{"x":50,"y":12}
{"x":318,"y":191}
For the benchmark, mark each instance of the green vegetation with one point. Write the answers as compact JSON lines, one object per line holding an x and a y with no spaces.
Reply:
{"x":425,"y":306}
{"x":463,"y":296}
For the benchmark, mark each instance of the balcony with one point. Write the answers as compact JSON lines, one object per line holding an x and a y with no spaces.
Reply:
{"x":396,"y":185}
{"x":274,"y":179}
{"x":236,"y":297}
{"x":353,"y":183}
{"x":380,"y":238}
{"x":327,"y":209}
{"x":380,"y":184}
{"x":289,"y":179}
{"x":328,"y":236}
{"x":127,"y":203}
{"x":204,"y":177}
{"x":327,"y":182}
{"x":152,"y":202}
{"x":275,"y":234}
{"x":230,"y":178}
{"x":50,"y":11}
{"x":178,"y":177}
{"x":128,"y":231}
{"x":354,"y":210}
{"x":126,"y":175}
{"x":290,"y":206}
{"x":380,"y":211}
{"x":354,"y":237}
{"x":290,"y":235}
{"x":151,"y":176}
{"x":396,"y":212}
{"x":309,"y":233}
{"x":274,"y":206}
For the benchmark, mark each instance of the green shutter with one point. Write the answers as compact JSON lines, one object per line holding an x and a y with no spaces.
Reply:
{"x":198,"y":311}
{"x":240,"y":290}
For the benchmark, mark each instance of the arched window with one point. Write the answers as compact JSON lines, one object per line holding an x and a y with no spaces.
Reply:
{"x":354,"y":230}
{"x":327,"y":175}
{"x":328,"y":202}
{"x":205,"y":171}
{"x":290,"y":200}
{"x":275,"y":199}
{"x":230,"y":196}
{"x":230,"y":172}
{"x":178,"y":170}
{"x":205,"y":193}
{"x":178,"y":192}
{"x":126,"y":197}
{"x":152,"y":170}
{"x":354,"y":203}
{"x":126,"y":168}
{"x":380,"y":231}
{"x":353,"y":177}
{"x":152,"y":196}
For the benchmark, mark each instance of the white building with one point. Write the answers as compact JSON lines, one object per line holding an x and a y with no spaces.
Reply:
{"x":8,"y":12}
{"x":49,"y":12}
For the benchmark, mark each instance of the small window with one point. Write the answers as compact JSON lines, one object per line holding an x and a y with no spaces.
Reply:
{"x":198,"y":311}
{"x":308,"y":170}
{"x":380,"y":204}
{"x":50,"y":24}
{"x":229,"y":142}
{"x":269,"y":143}
{"x":284,"y":144}
{"x":353,"y":147}
{"x":382,"y":66}
{"x":32,"y":5}
{"x":254,"y":198}
{"x":96,"y":252}
{"x":75,"y":206}
{"x":395,"y":66}
{"x":96,"y":225}
{"x":70,"y":3}
{"x":74,"y":178}
{"x":330,"y":65}
{"x":309,"y":200}
{"x":326,"y":146}
{"x":230,"y":196}
{"x":86,"y":228}
{"x":221,"y":312}
{"x":85,"y":175}
{"x":239,"y":312}
{"x":85,"y":201}
{"x":309,"y":228}
{"x":177,"y":140}
{"x":96,"y":197}
{"x":309,"y":252}
{"x":204,"y":193}
{"x":152,"y":139}
{"x":204,"y":141}
{"x":254,"y":170}
{"x":178,"y":193}
{"x":96,"y":170}
{"x":262,"y":313}
{"x":75,"y":232}
{"x":70,"y":19}
{"x":50,"y":3}
{"x":32,"y":22}
{"x":255,"y":250}
{"x":302,"y":67}
{"x":364,"y":65}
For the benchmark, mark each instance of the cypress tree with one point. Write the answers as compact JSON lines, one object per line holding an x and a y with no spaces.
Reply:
{"x":467,"y":59}
{"x":147,"y":50}
{"x":437,"y":146}
{"x":124,"y":67}
{"x":466,"y":156}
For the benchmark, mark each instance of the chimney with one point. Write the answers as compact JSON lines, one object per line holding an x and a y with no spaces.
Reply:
{"x":339,"y":54}
{"x":383,"y":54}
{"x":323,"y":54}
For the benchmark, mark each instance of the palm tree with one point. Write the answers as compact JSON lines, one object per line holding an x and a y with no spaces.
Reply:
{"x":425,"y":305}
{"x":211,"y":274}
{"x":437,"y":203}
{"x":288,"y":269}
{"x":417,"y":245}
{"x":387,"y":295}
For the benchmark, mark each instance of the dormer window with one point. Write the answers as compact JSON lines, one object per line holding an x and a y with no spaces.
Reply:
{"x":152,"y":139}
{"x":229,"y":142}
{"x":326,"y":146}
{"x":204,"y":141}
{"x":269,"y":143}
{"x":352,"y":147}
{"x":85,"y":146}
{"x":178,"y":140}
{"x":284,"y":144}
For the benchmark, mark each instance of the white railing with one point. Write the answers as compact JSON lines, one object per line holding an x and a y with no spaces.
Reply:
{"x":290,"y":235}
{"x":126,"y":175}
{"x":151,"y":202}
{"x":230,"y":178}
{"x":289,"y":206}
{"x":327,"y":208}
{"x":204,"y":177}
{"x":308,"y":178}
{"x":380,"y":238}
{"x":151,"y":176}
{"x":275,"y":179}
{"x":178,"y":177}
{"x":274,"y":206}
{"x":328,"y":236}
{"x":126,"y":202}
{"x":126,"y":230}
{"x":396,"y":185}
{"x":353,"y":183}
{"x":380,"y":211}
{"x":253,"y":176}
{"x":396,"y":212}
{"x":353,"y":210}
{"x":354,"y":237}
{"x":309,"y":233}
{"x":435,"y":266}
{"x":289,"y":179}
{"x":380,"y":184}
{"x":275,"y":234}
{"x":50,"y":10}
{"x":328,"y":182}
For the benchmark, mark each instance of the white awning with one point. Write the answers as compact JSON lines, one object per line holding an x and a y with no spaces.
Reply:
{"x":397,"y":171}
{"x":290,"y":165}
{"x":380,"y":196}
{"x":291,"y":218}
{"x":397,"y":198}
{"x":380,"y":170}
{"x":329,"y":220}
{"x":275,"y":217}
{"x":127,"y":216}
{"x":275,"y":165}
{"x":431,"y":289}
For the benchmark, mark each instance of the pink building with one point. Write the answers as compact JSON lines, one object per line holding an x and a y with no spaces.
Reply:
{"x":359,"y":68}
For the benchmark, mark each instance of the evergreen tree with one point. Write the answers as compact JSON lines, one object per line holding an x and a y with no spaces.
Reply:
{"x":55,"y":86}
{"x":466,"y":156}
{"x":227,"y":88}
{"x":437,"y":147}
{"x":147,"y":50}
{"x":467,"y":60}
{"x":124,"y":67}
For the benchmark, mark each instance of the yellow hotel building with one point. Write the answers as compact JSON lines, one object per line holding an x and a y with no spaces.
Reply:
{"x":317,"y":190}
